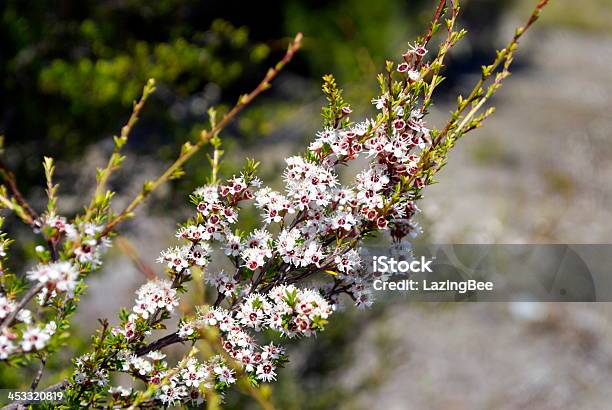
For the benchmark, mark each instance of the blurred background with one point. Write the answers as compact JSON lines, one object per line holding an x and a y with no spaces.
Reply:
{"x":540,"y":171}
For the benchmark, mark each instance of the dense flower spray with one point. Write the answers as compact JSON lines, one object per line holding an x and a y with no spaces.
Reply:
{"x":286,"y":277}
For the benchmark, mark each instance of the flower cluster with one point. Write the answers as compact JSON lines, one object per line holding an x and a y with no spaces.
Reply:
{"x":308,"y":185}
{"x":321,"y":224}
{"x":286,"y":309}
{"x":33,"y":338}
{"x":154,"y":296}
{"x":273,"y":204}
{"x":183,"y":383}
{"x":90,"y":244}
{"x":257,"y":249}
{"x":309,"y":231}
{"x":343,"y":144}
{"x":297,"y":251}
{"x":57,"y":276}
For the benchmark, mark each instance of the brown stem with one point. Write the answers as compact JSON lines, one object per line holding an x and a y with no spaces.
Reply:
{"x":125,"y":133}
{"x":39,"y":373}
{"x":128,"y":249}
{"x":502,"y":56}
{"x":159,"y":344}
{"x":28,"y":296}
{"x":207,"y":135}
{"x":219,"y":299}
{"x":434,"y":20}
{"x":11,"y":181}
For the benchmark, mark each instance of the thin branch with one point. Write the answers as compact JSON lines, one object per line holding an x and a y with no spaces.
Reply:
{"x":7,"y":175}
{"x":24,"y":301}
{"x":502,"y":56}
{"x":130,"y":251}
{"x":476,"y":99}
{"x":205,"y":136}
{"x":115,"y":158}
{"x":159,"y":344}
{"x":39,"y":373}
{"x":436,"y":17}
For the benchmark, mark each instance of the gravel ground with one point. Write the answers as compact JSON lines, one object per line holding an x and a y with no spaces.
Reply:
{"x":485,"y":356}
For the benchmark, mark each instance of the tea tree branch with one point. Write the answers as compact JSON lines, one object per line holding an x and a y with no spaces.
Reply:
{"x":189,"y":149}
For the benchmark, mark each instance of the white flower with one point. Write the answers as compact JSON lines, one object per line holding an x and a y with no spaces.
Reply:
{"x":200,"y":254}
{"x":63,"y":275}
{"x":348,"y":261}
{"x":153,"y":295}
{"x":6,"y":306}
{"x":380,"y":102}
{"x":256,"y":182}
{"x":272,"y":352}
{"x":209,"y":193}
{"x":313,"y":254}
{"x":120,"y":391}
{"x":155,"y":355}
{"x":224,"y":374}
{"x":186,"y":330}
{"x":6,"y":347}
{"x":141,"y":365}
{"x":265,"y":372}
{"x":171,"y":393}
{"x":254,"y":258}
{"x":62,"y":226}
{"x":253,"y":311}
{"x":176,"y":258}
{"x":224,"y":283}
{"x":219,"y":317}
{"x":327,"y":136}
{"x":343,"y":220}
{"x":193,"y":233}
{"x":233,"y":245}
{"x":273,"y":204}
{"x":193,"y":374}
{"x":51,"y":327}
{"x":34,"y":338}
